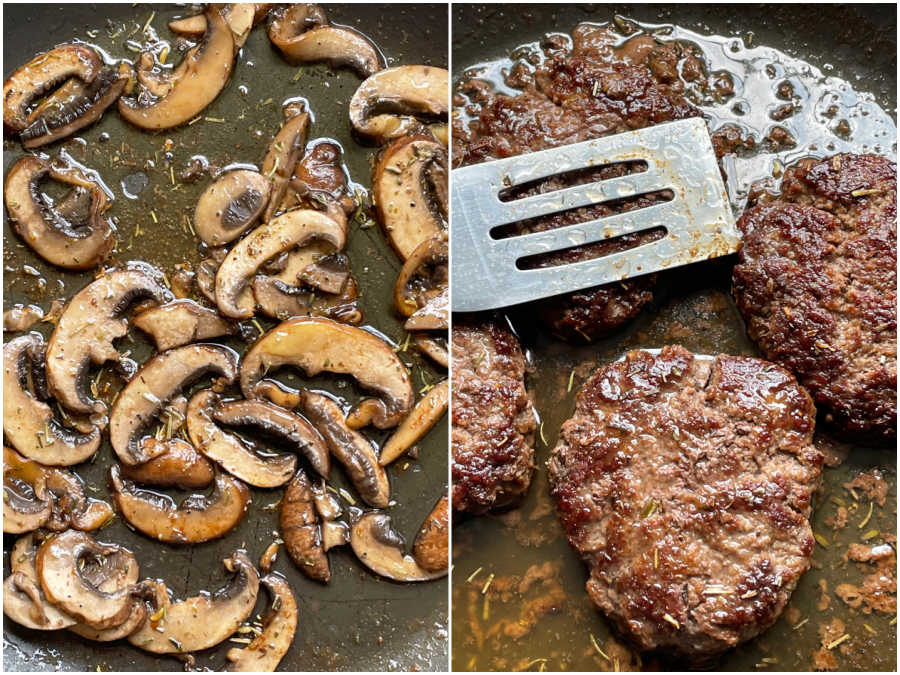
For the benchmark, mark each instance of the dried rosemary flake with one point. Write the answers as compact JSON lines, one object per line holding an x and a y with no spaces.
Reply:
{"x":474,"y":574}
{"x":716,"y":589}
{"x":217,"y":120}
{"x":871,"y":534}
{"x":243,"y":641}
{"x":870,"y":629}
{"x":597,"y":647}
{"x":672,"y":620}
{"x":865,"y":520}
{"x":347,"y":496}
{"x":822,"y":541}
{"x":839,"y":641}
{"x":800,"y":625}
{"x":486,"y":609}
{"x":649,"y":509}
{"x":864,"y":193}
{"x":571,"y":380}
{"x":487,"y":584}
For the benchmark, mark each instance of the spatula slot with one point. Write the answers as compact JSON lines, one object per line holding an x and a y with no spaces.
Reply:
{"x":600,"y":249}
{"x":566,"y":179}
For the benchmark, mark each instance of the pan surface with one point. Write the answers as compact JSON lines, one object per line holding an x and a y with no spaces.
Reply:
{"x":519,"y":601}
{"x":359,"y":621}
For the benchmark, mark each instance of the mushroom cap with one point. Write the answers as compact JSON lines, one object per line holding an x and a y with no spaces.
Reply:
{"x":406,"y":202}
{"x":198,"y":519}
{"x":423,"y":276}
{"x":178,"y":465}
{"x":228,"y":451}
{"x":28,"y":423}
{"x":44,"y":229}
{"x":197,"y":81}
{"x":432,"y":545}
{"x":299,"y":526}
{"x":381,"y":549}
{"x":23,"y":599}
{"x":158,"y":382}
{"x":391,"y":103}
{"x":316,"y":344}
{"x":181,"y":322}
{"x":203,"y":621}
{"x":267,"y":649}
{"x":231,"y":205}
{"x":87,"y":328}
{"x":66,"y":579}
{"x":423,"y":417}
{"x":26,"y":502}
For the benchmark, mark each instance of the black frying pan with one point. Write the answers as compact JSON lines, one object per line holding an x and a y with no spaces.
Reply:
{"x":692,"y":306}
{"x":359,"y":621}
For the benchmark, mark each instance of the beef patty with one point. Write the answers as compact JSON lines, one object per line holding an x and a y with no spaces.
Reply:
{"x":685,"y":485}
{"x":816,"y":283}
{"x":569,"y":94}
{"x":493,"y":419}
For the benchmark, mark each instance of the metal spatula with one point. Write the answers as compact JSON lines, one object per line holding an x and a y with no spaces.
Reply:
{"x":679,"y":157}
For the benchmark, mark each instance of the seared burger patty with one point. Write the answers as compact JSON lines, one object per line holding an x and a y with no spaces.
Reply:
{"x":493,"y":420}
{"x":685,"y":485}
{"x":816,"y":284}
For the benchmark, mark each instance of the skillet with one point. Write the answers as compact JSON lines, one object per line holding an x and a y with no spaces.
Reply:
{"x":359,"y":621}
{"x":856,"y":43}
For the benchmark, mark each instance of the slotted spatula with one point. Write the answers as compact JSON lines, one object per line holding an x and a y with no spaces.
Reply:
{"x":679,"y":156}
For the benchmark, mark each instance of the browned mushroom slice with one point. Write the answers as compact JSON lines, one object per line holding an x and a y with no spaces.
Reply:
{"x":432,"y":546}
{"x":26,"y":503}
{"x":423,"y":276}
{"x":300,"y":529}
{"x":204,"y":620}
{"x":391,"y":103}
{"x":21,"y":317}
{"x":320,"y":177}
{"x":206,"y":273}
{"x":229,"y":451}
{"x":434,"y":347}
{"x":28,"y":423}
{"x":281,"y":158}
{"x":230,"y":206}
{"x":178,"y":464}
{"x":329,"y":273}
{"x":64,"y":563}
{"x":424,"y":415}
{"x":23,"y":599}
{"x":405,"y":199}
{"x":303,"y":35}
{"x":294,"y":228}
{"x":195,"y":83}
{"x":350,"y":448}
{"x":181,"y":322}
{"x":290,"y":429}
{"x":71,"y":507}
{"x":146,"y":591}
{"x":86,"y":331}
{"x":240,"y":17}
{"x":79,"y":106}
{"x":267,"y":649}
{"x":157,"y":383}
{"x":316,"y":344}
{"x":198,"y":519}
{"x":42,"y":73}
{"x":52,"y":237}
{"x":433,"y":315}
{"x":381,"y":549}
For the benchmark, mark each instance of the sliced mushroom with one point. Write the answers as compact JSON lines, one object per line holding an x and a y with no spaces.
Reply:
{"x":303,"y":35}
{"x":26,"y":503}
{"x":434,"y":314}
{"x":23,"y":600}
{"x":229,"y":451}
{"x":434,"y":348}
{"x":75,"y":106}
{"x":206,"y":273}
{"x":42,"y":73}
{"x":230,"y":206}
{"x":286,"y":231}
{"x":405,"y":199}
{"x":281,"y":158}
{"x":351,"y":448}
{"x":194,"y":84}
{"x":293,"y":431}
{"x":240,"y":17}
{"x":320,"y":177}
{"x":381,"y":549}
{"x":334,"y":533}
{"x":63,"y":565}
{"x":181,"y":322}
{"x":198,"y":519}
{"x":314,"y":344}
{"x":71,"y":507}
{"x":204,"y":620}
{"x":146,"y":591}
{"x":267,"y":649}
{"x":424,"y":275}
{"x":20,"y":317}
{"x":424,"y":415}
{"x":157,"y":383}
{"x":28,"y":422}
{"x":329,"y":273}
{"x":432,"y":546}
{"x":300,"y":529}
{"x":52,"y":237}
{"x":86,"y":331}
{"x":178,"y":464}
{"x":391,"y":103}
